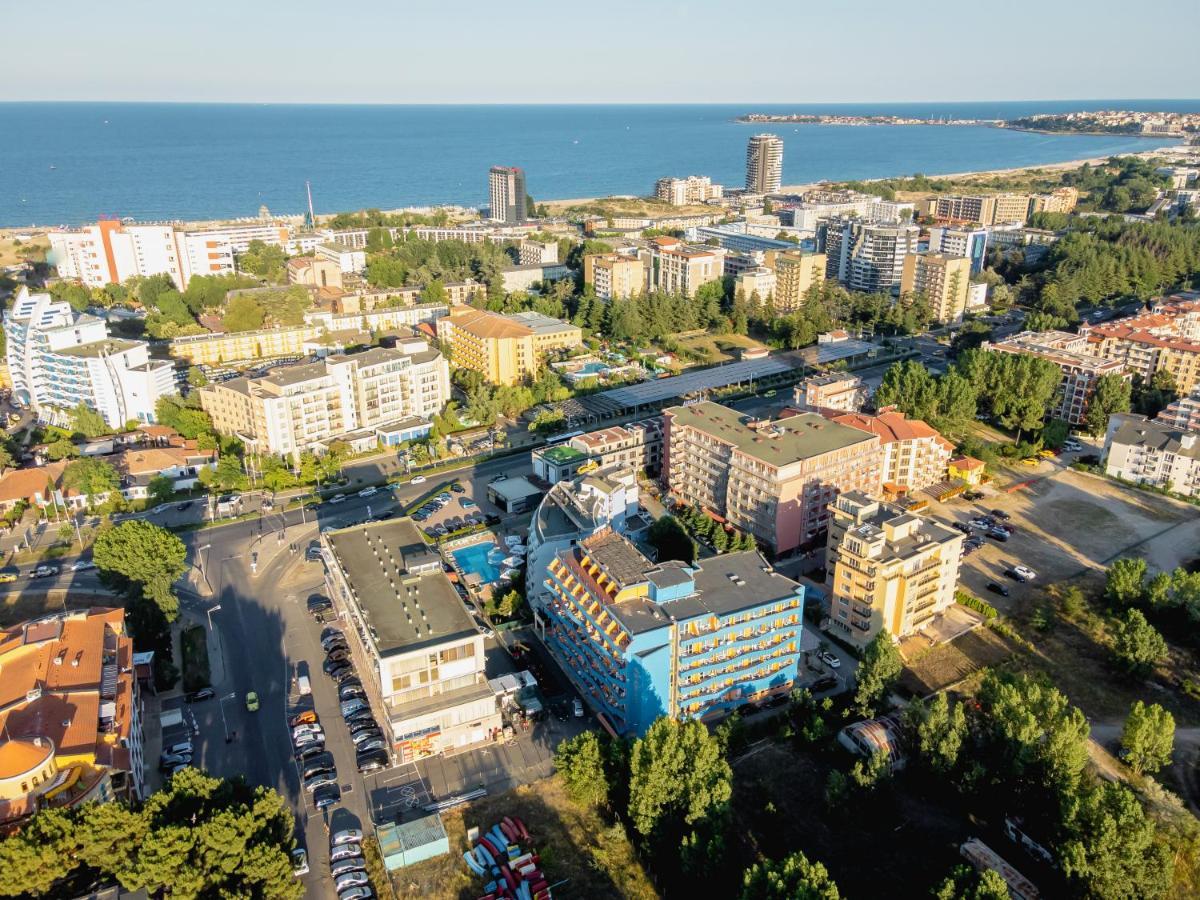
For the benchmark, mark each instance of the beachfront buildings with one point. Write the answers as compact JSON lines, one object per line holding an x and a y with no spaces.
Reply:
{"x":505,"y":349}
{"x":795,"y":273}
{"x":764,"y":164}
{"x":941,"y":279}
{"x":1059,"y":200}
{"x":635,"y":445}
{"x":58,"y":358}
{"x":383,"y":394}
{"x":865,"y":257}
{"x":914,"y":456}
{"x":687,"y":191}
{"x":642,"y":640}
{"x":573,"y":510}
{"x":888,"y":569}
{"x":967,"y":241}
{"x":986,"y":209}
{"x":773,"y":480}
{"x":70,"y":714}
{"x":676,"y":268}
{"x":1166,"y":339}
{"x":614,"y":276}
{"x":506,"y":195}
{"x":416,"y":649}
{"x":1147,"y":451}
{"x":834,"y":392}
{"x":1080,"y":370}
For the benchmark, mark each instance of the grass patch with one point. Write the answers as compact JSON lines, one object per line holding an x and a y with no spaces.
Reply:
{"x":575,"y":845}
{"x":947,"y":664}
{"x":194,"y":643}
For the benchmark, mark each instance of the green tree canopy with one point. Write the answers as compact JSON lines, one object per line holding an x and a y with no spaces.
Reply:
{"x":877,"y":672}
{"x":939,"y":728}
{"x":794,"y":877}
{"x":1125,"y":581}
{"x":88,"y":422}
{"x":1148,"y":737}
{"x":1112,"y":850}
{"x":1137,"y":645}
{"x":140,"y":553}
{"x":1112,"y":394}
{"x":671,"y":541}
{"x":965,"y":883}
{"x":678,"y":777}
{"x":91,"y":477}
{"x":580,"y":762}
{"x":161,"y":489}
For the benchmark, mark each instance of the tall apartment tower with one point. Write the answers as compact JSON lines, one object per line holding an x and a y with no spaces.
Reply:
{"x":506,"y":194}
{"x":764,"y":164}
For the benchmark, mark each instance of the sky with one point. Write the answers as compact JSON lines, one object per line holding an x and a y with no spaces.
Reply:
{"x":532,"y":51}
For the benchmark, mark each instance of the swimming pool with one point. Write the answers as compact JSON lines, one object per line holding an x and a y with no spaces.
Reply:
{"x":474,"y":559}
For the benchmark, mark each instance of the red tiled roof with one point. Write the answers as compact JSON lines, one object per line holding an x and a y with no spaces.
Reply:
{"x":891,"y":426}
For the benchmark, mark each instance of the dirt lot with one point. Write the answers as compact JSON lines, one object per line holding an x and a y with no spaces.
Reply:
{"x":718,"y":347}
{"x":945,"y":665}
{"x":574,"y":844}
{"x":8,"y":249}
{"x":1069,"y":523}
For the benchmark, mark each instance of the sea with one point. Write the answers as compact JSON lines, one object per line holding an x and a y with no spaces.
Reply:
{"x":69,"y":163}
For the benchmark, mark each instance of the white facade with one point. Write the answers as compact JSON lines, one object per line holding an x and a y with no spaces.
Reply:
{"x":349,"y":260}
{"x":764,"y":164}
{"x":58,"y":359}
{"x":1150,"y":452}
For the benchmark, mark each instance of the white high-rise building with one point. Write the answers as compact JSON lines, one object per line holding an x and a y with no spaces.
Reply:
{"x":764,"y":164}
{"x":506,"y":194}
{"x":58,"y":359}
{"x":864,"y":257}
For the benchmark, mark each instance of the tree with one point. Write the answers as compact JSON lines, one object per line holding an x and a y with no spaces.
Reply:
{"x":227,"y":476}
{"x":196,"y":377}
{"x":243,"y":314}
{"x":965,"y":883}
{"x":161,"y":489}
{"x":671,"y":541}
{"x":1136,"y":643}
{"x":88,"y":422}
{"x":879,"y":668}
{"x":91,"y":477}
{"x":678,"y":776}
{"x":1148,"y":737}
{"x":1112,"y":850}
{"x":1111,"y":395}
{"x":276,"y":476}
{"x":62,"y":448}
{"x":1125,"y":581}
{"x":794,"y":877}
{"x":939,"y":729}
{"x":143,"y":554}
{"x":580,"y":762}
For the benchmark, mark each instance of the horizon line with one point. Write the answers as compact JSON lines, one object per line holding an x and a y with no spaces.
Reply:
{"x":511,"y":103}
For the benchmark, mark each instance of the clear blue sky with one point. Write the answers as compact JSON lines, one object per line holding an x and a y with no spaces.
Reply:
{"x":461,"y":51}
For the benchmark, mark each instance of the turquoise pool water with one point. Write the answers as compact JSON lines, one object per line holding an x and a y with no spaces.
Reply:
{"x":473,"y":559}
{"x":592,"y":368}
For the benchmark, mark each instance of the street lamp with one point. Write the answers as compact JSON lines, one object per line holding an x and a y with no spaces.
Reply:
{"x":210,"y":611}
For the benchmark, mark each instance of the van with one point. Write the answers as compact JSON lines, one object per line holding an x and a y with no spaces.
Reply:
{"x":304,"y":685}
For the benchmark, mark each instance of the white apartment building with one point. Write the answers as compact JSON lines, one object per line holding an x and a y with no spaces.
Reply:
{"x":538,"y":253}
{"x":687,"y":191}
{"x":58,"y":359}
{"x":764,"y":164}
{"x":348,"y":259}
{"x":865,"y":257}
{"x":1150,"y":452}
{"x":673,"y":267}
{"x":391,"y":393}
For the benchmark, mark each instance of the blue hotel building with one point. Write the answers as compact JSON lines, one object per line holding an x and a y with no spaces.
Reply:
{"x":643,"y":639}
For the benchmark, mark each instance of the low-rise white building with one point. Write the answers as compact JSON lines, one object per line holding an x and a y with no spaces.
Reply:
{"x":1150,"y":452}
{"x":348,"y":259}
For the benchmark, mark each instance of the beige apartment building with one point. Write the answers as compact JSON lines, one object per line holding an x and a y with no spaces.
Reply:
{"x":224,"y":349}
{"x":1059,"y":200}
{"x":687,"y":191}
{"x":1080,"y":370}
{"x":915,"y":455}
{"x":795,"y":273}
{"x":675,"y":268}
{"x":943,"y":281}
{"x":1151,"y":452}
{"x":774,"y":480}
{"x":302,"y":408}
{"x":987,"y":209}
{"x":1164,"y":340}
{"x":505,"y":349}
{"x":888,"y":569}
{"x":614,"y":276}
{"x":837,"y":392}
{"x":755,"y":281}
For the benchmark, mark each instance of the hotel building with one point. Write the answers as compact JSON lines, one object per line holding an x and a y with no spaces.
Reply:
{"x":1151,"y":452}
{"x":835,"y":392}
{"x":1167,"y":339}
{"x":915,"y":455}
{"x":764,"y":164}
{"x":389,"y":394}
{"x":58,"y":358}
{"x":864,"y":257}
{"x":417,"y":650}
{"x":614,"y":276}
{"x":687,"y":191}
{"x":642,"y":640}
{"x":70,"y":714}
{"x":774,"y":480}
{"x":635,"y":445}
{"x":889,"y":570}
{"x":505,"y":349}
{"x":1080,"y":370}
{"x":506,"y":195}
{"x":675,"y":268}
{"x":795,"y":273}
{"x":941,"y":279}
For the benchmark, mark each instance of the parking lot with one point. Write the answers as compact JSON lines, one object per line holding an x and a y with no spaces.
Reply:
{"x":1067,"y":523}
{"x":457,"y":506}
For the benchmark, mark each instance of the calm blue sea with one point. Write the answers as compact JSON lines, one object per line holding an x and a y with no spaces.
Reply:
{"x":63,"y":163}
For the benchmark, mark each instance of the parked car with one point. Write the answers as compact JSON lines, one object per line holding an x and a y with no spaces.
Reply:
{"x":44,"y":571}
{"x":179,"y":747}
{"x":350,"y":706}
{"x":344,"y":851}
{"x":352,"y":879}
{"x":420,"y":479}
{"x":1001,"y":514}
{"x":961,"y":526}
{"x":364,"y":737}
{"x":353,"y":692}
{"x":326,"y":796}
{"x":168,"y":762}
{"x":338,"y":654}
{"x":332,"y":665}
{"x":997,"y":588}
{"x":320,"y":780}
{"x":376,"y":744}
{"x":202,"y":694}
{"x":83,"y":565}
{"x":356,"y":893}
{"x":577,"y":708}
{"x":357,"y":725}
{"x":360,"y":715}
{"x":310,"y":751}
{"x":341,"y":671}
{"x":299,"y":862}
{"x":310,"y":737}
{"x":307,"y":728}
{"x":347,"y":865}
{"x":998,"y":534}
{"x":345,"y":836}
{"x":324,"y":762}
{"x":9,"y":573}
{"x":371,"y":761}
{"x":829,"y":659}
{"x":826,"y":683}
{"x":307,"y":717}
{"x":1015,"y":575}
{"x":1025,"y":572}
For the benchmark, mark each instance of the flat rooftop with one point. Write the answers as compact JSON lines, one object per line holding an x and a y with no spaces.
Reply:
{"x":778,"y":443}
{"x":93,"y":350}
{"x":406,"y":611}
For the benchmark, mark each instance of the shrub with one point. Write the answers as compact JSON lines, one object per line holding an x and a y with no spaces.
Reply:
{"x":982,"y":607}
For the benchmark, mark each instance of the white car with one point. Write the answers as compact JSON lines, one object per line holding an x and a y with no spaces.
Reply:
{"x":346,"y":836}
{"x":420,"y":479}
{"x":338,"y":498}
{"x":829,"y":659}
{"x":368,"y":492}
{"x":1025,"y":572}
{"x":83,"y":565}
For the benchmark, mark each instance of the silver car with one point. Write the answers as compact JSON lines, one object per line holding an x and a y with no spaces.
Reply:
{"x":351,"y":879}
